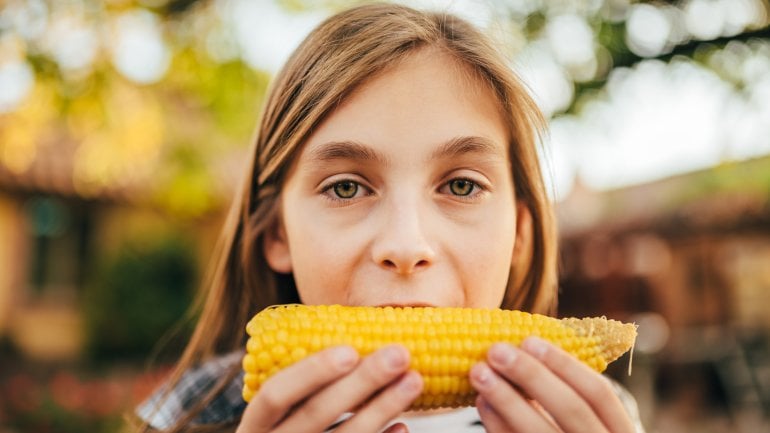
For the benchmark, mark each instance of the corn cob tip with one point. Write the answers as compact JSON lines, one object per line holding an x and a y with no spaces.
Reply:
{"x":616,"y":337}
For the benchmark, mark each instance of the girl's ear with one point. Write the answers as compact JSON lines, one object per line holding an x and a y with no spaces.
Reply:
{"x":522,"y":249}
{"x":275,"y":247}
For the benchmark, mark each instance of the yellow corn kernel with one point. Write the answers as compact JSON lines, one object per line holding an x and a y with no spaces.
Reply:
{"x":444,"y":342}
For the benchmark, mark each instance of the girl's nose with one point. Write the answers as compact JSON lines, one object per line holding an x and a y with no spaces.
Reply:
{"x":402,"y":245}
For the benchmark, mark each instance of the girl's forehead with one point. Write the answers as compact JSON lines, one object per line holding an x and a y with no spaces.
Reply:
{"x":430,"y":67}
{"x":427,"y":95}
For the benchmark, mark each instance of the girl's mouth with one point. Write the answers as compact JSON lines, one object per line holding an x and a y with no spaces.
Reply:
{"x":406,"y":304}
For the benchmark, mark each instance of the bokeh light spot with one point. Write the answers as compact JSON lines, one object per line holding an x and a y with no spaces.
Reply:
{"x":139,"y":52}
{"x":705,"y":19}
{"x":16,"y":80}
{"x":647,"y":30}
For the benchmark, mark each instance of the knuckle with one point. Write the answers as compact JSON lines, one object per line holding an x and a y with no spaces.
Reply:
{"x":392,"y":405}
{"x":312,"y":409}
{"x":558,"y":360}
{"x":555,"y":357}
{"x":526,"y":369}
{"x":372,"y":375}
{"x":321,"y":360}
{"x":268,"y":399}
{"x":601,"y":387}
{"x":496,"y":392}
{"x":375,"y":370}
{"x":576,"y":409}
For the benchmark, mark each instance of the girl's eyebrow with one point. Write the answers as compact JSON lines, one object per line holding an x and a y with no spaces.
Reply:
{"x":353,"y":150}
{"x":345,"y":150}
{"x":459,"y":146}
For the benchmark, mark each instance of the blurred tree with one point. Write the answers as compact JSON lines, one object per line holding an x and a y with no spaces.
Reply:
{"x":131,"y":87}
{"x":137,"y":296}
{"x":155,"y":94}
{"x":590,"y":38}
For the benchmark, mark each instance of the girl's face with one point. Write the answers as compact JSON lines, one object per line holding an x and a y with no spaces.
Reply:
{"x":403,"y":195}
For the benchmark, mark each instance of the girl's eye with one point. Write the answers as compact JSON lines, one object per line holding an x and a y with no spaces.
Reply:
{"x":461,"y":187}
{"x":345,"y":189}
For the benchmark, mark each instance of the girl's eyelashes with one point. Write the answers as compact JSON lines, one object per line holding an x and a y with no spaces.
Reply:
{"x":344,"y":190}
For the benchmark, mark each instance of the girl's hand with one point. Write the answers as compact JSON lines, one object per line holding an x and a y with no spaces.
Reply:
{"x":541,"y":388}
{"x":313,"y":393}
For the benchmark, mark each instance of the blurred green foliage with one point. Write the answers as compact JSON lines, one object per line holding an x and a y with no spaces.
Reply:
{"x":747,"y":178}
{"x":139,"y":299}
{"x":126,"y":133}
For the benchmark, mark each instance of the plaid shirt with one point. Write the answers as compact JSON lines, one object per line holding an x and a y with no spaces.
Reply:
{"x":162,"y":410}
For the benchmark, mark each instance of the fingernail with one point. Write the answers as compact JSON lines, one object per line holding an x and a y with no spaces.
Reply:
{"x":536,"y":346}
{"x":397,"y":428}
{"x":394,"y":357}
{"x":344,"y":357}
{"x":482,"y":375}
{"x":502,"y":355}
{"x":410,"y":384}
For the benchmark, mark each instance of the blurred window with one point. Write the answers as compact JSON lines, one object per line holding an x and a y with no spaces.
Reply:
{"x":59,"y":231}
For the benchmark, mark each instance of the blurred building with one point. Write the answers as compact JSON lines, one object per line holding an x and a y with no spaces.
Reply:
{"x":687,"y":259}
{"x":53,"y":240}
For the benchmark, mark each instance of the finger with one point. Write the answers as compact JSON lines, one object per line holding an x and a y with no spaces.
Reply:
{"x":386,"y":405}
{"x":369,"y":376}
{"x":570,"y":411}
{"x":491,"y":420}
{"x":397,"y":428}
{"x":512,"y":410}
{"x":591,"y":386}
{"x":293,"y":384}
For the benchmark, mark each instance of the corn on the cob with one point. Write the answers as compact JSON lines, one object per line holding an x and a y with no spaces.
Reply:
{"x":444,"y":343}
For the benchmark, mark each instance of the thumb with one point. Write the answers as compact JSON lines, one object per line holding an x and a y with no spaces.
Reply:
{"x":397,"y":428}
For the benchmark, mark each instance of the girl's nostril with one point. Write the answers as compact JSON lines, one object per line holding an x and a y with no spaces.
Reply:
{"x":405,"y":267}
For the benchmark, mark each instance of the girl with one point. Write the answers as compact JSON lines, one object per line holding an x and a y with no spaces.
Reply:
{"x":395,"y":164}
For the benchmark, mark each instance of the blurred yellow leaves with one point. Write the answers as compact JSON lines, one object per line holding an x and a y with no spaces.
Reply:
{"x":19,"y":148}
{"x":189,"y":194}
{"x":118,"y":135}
{"x":125,"y":150}
{"x":96,"y":120}
{"x":86,"y":115}
{"x":21,"y":131}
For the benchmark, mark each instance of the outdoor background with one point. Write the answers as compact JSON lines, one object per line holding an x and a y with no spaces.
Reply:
{"x":124,"y":129}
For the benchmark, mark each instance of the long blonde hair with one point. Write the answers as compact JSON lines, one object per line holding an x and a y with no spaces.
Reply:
{"x":339,"y":55}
